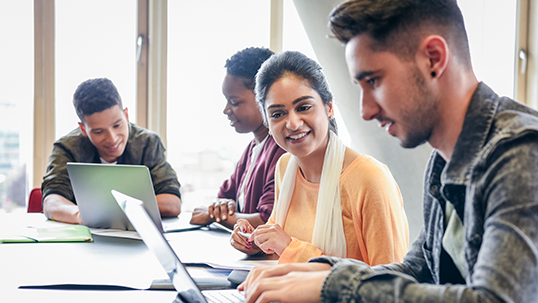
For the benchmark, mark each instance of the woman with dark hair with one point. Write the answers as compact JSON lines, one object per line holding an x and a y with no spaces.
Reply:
{"x":249,"y":193}
{"x":330,"y":200}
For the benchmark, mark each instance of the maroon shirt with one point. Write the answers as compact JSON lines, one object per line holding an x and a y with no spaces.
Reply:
{"x":260,"y":187}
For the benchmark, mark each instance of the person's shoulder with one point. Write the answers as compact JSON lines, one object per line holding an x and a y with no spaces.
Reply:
{"x":136,"y":131}
{"x":142,"y":136}
{"x":515,"y":121}
{"x":512,"y":123}
{"x":283,"y":162}
{"x":271,"y":145}
{"x":362,"y":165}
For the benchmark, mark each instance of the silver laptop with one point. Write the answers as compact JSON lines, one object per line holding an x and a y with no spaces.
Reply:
{"x":187,"y":290}
{"x":92,"y":184}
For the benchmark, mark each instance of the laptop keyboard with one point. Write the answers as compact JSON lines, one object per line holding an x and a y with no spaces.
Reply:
{"x":224,"y":296}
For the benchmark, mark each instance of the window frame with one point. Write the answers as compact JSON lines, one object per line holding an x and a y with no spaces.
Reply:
{"x":527,"y":42}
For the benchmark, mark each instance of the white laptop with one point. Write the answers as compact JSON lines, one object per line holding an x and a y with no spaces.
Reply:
{"x":187,"y":290}
{"x":92,"y":184}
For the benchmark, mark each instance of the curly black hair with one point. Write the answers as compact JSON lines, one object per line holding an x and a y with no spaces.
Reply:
{"x":94,"y":96}
{"x":246,"y":63}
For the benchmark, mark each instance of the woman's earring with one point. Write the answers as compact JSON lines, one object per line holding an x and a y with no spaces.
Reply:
{"x":270,"y":134}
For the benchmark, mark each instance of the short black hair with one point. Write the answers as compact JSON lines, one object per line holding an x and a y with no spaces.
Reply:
{"x":246,"y":63}
{"x":94,"y":96}
{"x":397,"y":26}
{"x":292,"y":63}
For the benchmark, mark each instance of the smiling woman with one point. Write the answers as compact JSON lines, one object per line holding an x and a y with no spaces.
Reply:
{"x":330,"y":199}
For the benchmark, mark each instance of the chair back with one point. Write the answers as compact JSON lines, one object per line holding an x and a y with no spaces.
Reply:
{"x":34,"y":202}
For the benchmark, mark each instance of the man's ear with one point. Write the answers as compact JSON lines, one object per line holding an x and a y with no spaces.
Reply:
{"x":82,"y":129}
{"x":435,"y":52}
{"x":126,"y":113}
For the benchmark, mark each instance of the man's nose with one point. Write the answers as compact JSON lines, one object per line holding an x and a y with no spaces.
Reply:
{"x":369,"y":107}
{"x":111,"y":136}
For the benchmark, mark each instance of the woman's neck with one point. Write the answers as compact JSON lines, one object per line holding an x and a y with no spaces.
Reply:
{"x":260,"y":133}
{"x":311,"y":166}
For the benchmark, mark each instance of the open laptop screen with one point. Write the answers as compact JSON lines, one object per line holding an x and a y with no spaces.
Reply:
{"x":157,"y":244}
{"x":92,"y":184}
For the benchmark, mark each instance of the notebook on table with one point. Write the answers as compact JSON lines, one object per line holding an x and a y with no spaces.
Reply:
{"x":187,"y":290}
{"x":92,"y":184}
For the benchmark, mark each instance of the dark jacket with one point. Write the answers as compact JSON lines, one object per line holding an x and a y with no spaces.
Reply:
{"x":260,"y":187}
{"x":143,"y":147}
{"x":492,"y":181}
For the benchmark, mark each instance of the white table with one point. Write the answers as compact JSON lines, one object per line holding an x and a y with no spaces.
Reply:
{"x":106,"y":261}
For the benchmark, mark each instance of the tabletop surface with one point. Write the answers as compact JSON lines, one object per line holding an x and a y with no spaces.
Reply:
{"x":106,"y":261}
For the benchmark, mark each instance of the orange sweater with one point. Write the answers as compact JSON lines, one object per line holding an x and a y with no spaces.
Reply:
{"x":375,"y":224}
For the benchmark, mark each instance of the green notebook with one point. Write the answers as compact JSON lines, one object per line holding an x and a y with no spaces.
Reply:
{"x":68,"y":233}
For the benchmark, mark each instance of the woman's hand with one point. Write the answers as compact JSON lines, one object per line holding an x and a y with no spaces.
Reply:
{"x":271,"y":238}
{"x":200,"y":216}
{"x":241,"y":242}
{"x":216,"y":212}
{"x":221,"y":209}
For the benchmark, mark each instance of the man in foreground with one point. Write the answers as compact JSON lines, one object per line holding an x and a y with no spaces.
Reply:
{"x":480,"y":234}
{"x":105,"y":135}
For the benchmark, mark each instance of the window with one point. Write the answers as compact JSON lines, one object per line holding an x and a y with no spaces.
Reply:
{"x":16,"y":102}
{"x":202,"y":147}
{"x":93,"y":39}
{"x":491,"y":28}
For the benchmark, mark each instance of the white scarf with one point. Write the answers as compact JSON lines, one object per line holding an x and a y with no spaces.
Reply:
{"x":328,"y":234}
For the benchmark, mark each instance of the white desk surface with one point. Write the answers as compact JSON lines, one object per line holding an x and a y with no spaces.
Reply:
{"x":106,"y":261}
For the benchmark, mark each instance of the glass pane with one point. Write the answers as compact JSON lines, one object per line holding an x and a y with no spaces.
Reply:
{"x":491,"y":27}
{"x":94,"y":39}
{"x":16,"y":102}
{"x":294,"y":34}
{"x":202,"y":146}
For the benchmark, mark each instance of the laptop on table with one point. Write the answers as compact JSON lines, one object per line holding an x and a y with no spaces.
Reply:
{"x":187,"y":289}
{"x":92,"y":184}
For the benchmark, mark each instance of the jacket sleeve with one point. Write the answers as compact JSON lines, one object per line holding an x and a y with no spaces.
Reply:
{"x":162,"y":174}
{"x":56,"y":180}
{"x":506,"y":267}
{"x":72,"y":147}
{"x":230,"y":188}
